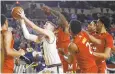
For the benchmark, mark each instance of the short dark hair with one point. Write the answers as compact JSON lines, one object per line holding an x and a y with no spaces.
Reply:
{"x":75,"y":26}
{"x":95,"y":21}
{"x":106,"y":21}
{"x":3,"y":19}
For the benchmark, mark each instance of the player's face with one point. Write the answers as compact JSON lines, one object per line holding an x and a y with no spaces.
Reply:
{"x":92,"y":27}
{"x":48,"y":26}
{"x":99,"y":25}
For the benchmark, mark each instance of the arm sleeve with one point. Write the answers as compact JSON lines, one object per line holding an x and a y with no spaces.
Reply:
{"x":27,"y":35}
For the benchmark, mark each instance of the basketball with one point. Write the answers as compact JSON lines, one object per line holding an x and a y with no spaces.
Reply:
{"x":14,"y":12}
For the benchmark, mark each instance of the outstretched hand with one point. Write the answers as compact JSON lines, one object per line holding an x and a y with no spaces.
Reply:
{"x":46,"y":9}
{"x":22,"y":16}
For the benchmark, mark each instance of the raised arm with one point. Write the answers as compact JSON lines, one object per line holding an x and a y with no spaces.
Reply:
{"x":31,"y":24}
{"x":26,"y":33}
{"x":61,"y":19}
{"x":7,"y":44}
{"x":92,"y":38}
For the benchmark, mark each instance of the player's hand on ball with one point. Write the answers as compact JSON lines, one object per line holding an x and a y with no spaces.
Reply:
{"x":14,"y":12}
{"x":21,"y":14}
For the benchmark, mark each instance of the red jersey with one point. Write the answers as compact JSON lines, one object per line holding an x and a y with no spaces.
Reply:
{"x":84,"y":56}
{"x":107,"y":41}
{"x":9,"y":62}
{"x":63,"y":40}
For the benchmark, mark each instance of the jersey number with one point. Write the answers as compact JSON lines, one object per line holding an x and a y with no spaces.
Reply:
{"x":89,"y":46}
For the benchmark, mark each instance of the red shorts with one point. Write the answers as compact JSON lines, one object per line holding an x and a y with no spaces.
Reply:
{"x":92,"y":69}
{"x":6,"y":70}
{"x":68,"y":66}
{"x":8,"y":66}
{"x":101,"y":67}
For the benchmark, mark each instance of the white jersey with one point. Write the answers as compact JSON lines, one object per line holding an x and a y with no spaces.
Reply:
{"x":50,"y":53}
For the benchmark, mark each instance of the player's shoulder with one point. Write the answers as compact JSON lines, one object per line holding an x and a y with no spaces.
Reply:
{"x":83,"y":34}
{"x":108,"y":35}
{"x":7,"y":33}
{"x":60,"y":30}
{"x":50,"y":32}
{"x":77,"y":38}
{"x":72,"y":45}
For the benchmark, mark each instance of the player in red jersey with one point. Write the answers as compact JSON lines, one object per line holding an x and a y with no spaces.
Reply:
{"x":7,"y":42}
{"x":103,"y":50}
{"x":81,"y":48}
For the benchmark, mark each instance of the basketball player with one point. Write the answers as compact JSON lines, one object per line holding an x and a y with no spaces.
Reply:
{"x":63,"y":38}
{"x":8,"y":51}
{"x":80,"y":46}
{"x":103,"y":50}
{"x":50,"y":52}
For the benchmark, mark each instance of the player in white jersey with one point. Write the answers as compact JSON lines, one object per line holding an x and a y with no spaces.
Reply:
{"x":50,"y":52}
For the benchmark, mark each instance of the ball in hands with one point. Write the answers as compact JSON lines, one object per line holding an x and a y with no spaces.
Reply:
{"x":15,"y":11}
